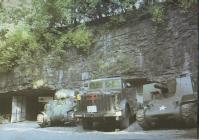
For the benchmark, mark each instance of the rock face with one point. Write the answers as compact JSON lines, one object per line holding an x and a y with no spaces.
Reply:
{"x":138,"y":46}
{"x":158,"y":51}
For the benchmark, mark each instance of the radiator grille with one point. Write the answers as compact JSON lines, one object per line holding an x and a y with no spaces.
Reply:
{"x":103,"y":102}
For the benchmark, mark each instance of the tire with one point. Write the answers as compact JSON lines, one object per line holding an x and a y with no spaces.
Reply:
{"x":125,"y":122}
{"x":189,"y":114}
{"x":42,"y":125}
{"x":87,"y":124}
{"x":140,"y":117}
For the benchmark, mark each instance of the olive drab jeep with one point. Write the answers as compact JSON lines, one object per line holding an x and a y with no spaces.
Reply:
{"x":106,"y":99}
{"x":175,"y":99}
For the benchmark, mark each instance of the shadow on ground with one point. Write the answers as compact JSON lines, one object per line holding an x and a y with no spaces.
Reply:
{"x":135,"y":127}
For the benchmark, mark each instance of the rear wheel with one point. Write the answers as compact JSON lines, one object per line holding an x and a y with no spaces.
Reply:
{"x":189,"y":114}
{"x":125,"y":122}
{"x":87,"y":124}
{"x":140,"y":117}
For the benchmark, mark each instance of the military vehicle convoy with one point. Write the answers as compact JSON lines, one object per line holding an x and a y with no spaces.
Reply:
{"x":174,"y":99}
{"x":60,"y":110}
{"x":121,"y":99}
{"x":112,"y":98}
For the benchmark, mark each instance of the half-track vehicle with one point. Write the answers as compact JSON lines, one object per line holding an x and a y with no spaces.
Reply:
{"x":109,"y":99}
{"x":60,"y":110}
{"x":175,"y":99}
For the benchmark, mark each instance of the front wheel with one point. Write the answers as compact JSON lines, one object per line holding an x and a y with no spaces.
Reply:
{"x":189,"y":114}
{"x":42,"y":125}
{"x":125,"y":122}
{"x":87,"y":124}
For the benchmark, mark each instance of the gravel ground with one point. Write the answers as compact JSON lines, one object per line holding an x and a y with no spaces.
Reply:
{"x":31,"y":131}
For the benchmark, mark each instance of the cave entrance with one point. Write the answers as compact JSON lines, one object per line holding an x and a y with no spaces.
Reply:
{"x":6,"y":106}
{"x":35,"y":105}
{"x":26,"y":105}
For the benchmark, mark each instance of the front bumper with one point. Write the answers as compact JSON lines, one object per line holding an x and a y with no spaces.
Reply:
{"x":98,"y":114}
{"x":167,"y":114}
{"x":66,"y":118}
{"x":163,"y":117}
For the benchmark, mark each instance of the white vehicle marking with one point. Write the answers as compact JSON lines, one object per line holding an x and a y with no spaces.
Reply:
{"x":162,"y":107}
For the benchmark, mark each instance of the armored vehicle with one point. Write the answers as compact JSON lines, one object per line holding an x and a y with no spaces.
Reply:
{"x":109,"y":99}
{"x":175,"y":99}
{"x":60,"y":110}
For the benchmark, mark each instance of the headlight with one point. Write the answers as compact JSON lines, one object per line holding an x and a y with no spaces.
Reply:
{"x":78,"y":97}
{"x":118,"y":113}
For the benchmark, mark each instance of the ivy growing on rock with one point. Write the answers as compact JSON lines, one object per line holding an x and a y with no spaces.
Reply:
{"x":158,"y":13}
{"x":80,"y":38}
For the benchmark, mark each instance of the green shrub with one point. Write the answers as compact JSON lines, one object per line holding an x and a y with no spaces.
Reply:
{"x":158,"y":13}
{"x":80,"y":38}
{"x":18,"y":45}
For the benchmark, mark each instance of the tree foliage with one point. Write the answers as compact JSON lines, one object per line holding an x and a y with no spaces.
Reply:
{"x":58,"y":25}
{"x":81,"y":38}
{"x":18,"y":43}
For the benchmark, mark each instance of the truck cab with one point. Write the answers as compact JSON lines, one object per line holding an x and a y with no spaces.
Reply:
{"x":112,"y":98}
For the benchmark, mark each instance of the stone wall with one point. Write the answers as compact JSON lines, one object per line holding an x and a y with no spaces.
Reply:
{"x":138,"y":46}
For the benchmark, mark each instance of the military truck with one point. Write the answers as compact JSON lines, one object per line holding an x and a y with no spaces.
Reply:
{"x":174,"y":99}
{"x":107,"y":99}
{"x":60,"y":110}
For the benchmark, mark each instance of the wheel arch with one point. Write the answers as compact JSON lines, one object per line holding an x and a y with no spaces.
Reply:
{"x":191,"y":98}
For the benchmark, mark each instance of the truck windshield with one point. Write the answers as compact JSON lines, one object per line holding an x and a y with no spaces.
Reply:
{"x":113,"y":84}
{"x":96,"y":85}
